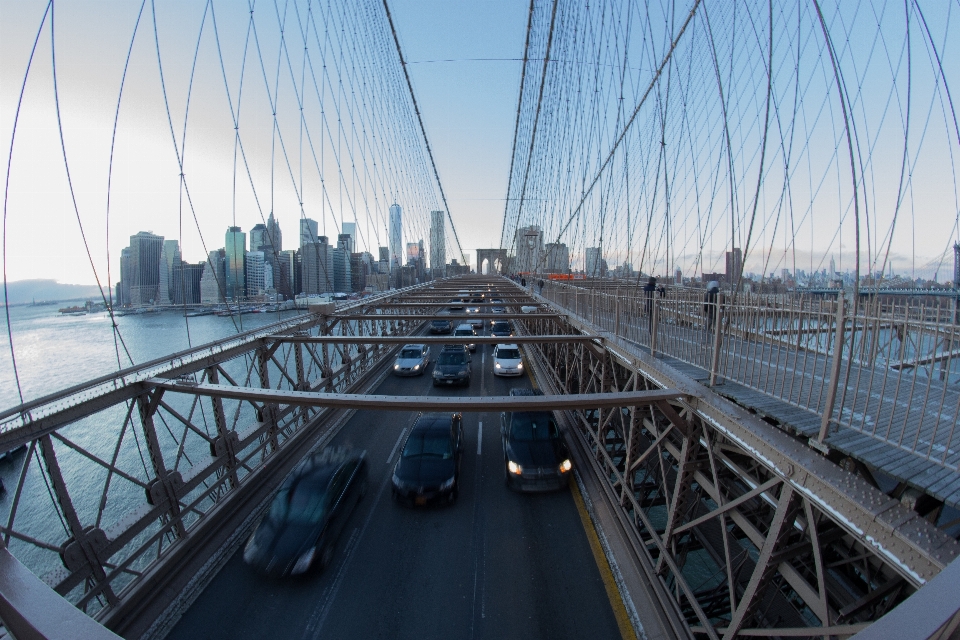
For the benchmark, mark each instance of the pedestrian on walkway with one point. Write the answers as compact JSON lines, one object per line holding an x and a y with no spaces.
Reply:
{"x":540,"y":285}
{"x":710,"y":303}
{"x":649,"y":291}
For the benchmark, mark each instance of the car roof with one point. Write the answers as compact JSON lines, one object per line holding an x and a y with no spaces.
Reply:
{"x":454,"y":347}
{"x":507,"y":346}
{"x":413,"y":346}
{"x":432,"y":422}
{"x":464,"y":326}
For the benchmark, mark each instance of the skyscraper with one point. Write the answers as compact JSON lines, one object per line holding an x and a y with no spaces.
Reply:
{"x":258,"y":238}
{"x":349,"y":229}
{"x":145,"y":251}
{"x":734,"y":265}
{"x":317,"y":267}
{"x":171,"y":251}
{"x":529,"y":243}
{"x":557,"y":258}
{"x":438,"y":246}
{"x":213,"y":279}
{"x":254,"y":272}
{"x":235,"y":245}
{"x":395,"y":237}
{"x":308,"y":231}
{"x":593,"y":264}
{"x":274,"y":236}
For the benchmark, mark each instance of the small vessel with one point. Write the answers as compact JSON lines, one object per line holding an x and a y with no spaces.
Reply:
{"x":73,"y":311}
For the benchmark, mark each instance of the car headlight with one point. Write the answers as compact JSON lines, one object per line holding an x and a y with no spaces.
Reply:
{"x":448,"y":484}
{"x":496,"y":365}
{"x":566,"y":465}
{"x":416,"y":367}
{"x":396,"y":366}
{"x":520,"y":365}
{"x":303,"y":562}
{"x":513,"y":467}
{"x":436,"y":373}
{"x":251,"y":550}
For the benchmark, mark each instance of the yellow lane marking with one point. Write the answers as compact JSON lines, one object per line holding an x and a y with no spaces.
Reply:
{"x":613,"y":593}
{"x":606,"y":574}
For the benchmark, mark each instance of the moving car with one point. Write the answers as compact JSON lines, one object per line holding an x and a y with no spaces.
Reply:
{"x":440,"y":326}
{"x":412,"y":360}
{"x":507,"y":360}
{"x":465,"y":330}
{"x":535,"y":455}
{"x":453,"y":365}
{"x":429,"y":466}
{"x":501,"y":329}
{"x":308,"y":513}
{"x":476,"y":322}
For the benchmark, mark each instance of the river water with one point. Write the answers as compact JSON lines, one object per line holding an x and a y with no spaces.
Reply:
{"x":54,"y":351}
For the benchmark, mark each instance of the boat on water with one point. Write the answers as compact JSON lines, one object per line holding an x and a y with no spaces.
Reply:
{"x":73,"y":311}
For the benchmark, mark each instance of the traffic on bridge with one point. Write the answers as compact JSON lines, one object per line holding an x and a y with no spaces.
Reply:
{"x":677,"y":359}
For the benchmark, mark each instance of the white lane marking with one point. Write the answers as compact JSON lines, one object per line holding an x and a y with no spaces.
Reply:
{"x":479,"y":437}
{"x":394,"y":450}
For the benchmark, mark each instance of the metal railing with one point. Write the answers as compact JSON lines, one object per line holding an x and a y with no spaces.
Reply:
{"x":889,"y":371}
{"x":115,"y":476}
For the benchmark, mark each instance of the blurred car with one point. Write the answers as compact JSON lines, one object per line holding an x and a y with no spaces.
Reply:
{"x":475,"y":321}
{"x":308,"y":513}
{"x":440,"y":326}
{"x":501,"y":329}
{"x":453,"y":365}
{"x":429,"y":466}
{"x":535,"y":455}
{"x":466,"y":330}
{"x":507,"y":360}
{"x":412,"y":360}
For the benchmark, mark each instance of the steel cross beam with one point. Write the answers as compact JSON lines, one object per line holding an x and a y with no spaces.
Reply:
{"x":435,"y":339}
{"x":422,"y":403}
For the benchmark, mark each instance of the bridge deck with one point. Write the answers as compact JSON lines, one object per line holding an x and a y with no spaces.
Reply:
{"x":496,"y":564}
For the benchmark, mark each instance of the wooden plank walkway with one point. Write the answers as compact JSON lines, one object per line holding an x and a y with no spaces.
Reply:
{"x":900,"y":423}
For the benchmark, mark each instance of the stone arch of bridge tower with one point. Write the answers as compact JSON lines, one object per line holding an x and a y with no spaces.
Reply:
{"x":496,"y":260}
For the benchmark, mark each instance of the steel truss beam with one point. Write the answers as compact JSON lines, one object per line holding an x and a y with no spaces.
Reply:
{"x":750,"y":531}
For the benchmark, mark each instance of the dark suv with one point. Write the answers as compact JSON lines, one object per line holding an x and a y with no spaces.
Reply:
{"x":535,"y":455}
{"x":453,"y":365}
{"x":501,"y":329}
{"x":440,"y":326}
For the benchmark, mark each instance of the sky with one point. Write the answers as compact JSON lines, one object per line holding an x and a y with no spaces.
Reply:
{"x":463,"y":65}
{"x":62,"y":221}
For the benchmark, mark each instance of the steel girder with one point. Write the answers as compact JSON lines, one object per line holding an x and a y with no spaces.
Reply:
{"x":750,"y":531}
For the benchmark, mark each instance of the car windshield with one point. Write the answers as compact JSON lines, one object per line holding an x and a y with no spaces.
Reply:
{"x":508,"y":354}
{"x":425,"y":443}
{"x":409,"y":354}
{"x":463,"y":332}
{"x":501,"y":326}
{"x":451,"y":358}
{"x":440,"y":322}
{"x":304,"y":504}
{"x":531,"y":427}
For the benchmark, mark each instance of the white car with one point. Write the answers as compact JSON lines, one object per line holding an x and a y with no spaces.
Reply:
{"x":507,"y":360}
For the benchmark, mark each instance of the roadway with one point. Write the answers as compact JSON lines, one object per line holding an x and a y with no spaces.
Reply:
{"x":497,"y":564}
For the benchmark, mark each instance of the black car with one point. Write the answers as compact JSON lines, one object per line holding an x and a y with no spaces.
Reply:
{"x":440,"y":326}
{"x":535,"y":455}
{"x":428,"y":470}
{"x":308,"y":512}
{"x":453,"y":365}
{"x":501,"y":328}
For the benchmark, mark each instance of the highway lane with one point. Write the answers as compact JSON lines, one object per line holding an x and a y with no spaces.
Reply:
{"x":497,"y":564}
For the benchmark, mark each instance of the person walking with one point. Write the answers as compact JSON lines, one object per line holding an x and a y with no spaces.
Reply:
{"x":649,"y":292}
{"x":710,"y":303}
{"x":540,"y":286}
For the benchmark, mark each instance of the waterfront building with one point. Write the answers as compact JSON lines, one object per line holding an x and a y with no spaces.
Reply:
{"x":213,"y":279}
{"x":255,"y":272}
{"x":317,"y":267}
{"x":144,"y":266}
{"x":172,"y":257}
{"x":186,"y":282}
{"x":123,"y":289}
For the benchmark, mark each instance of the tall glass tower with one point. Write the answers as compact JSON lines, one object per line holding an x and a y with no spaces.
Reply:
{"x":235,"y":245}
{"x":395,"y":237}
